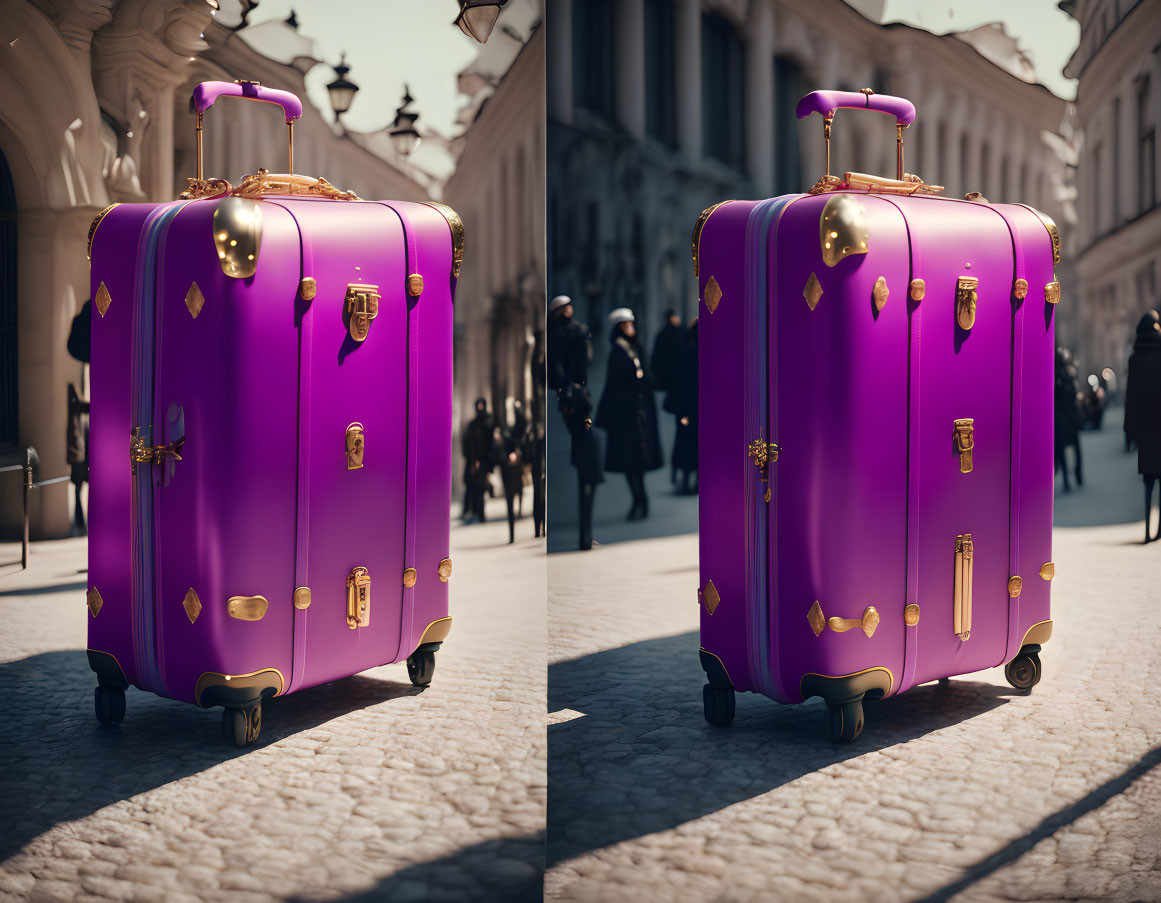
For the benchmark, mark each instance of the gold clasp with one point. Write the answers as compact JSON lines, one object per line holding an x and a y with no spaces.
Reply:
{"x":763,"y":454}
{"x":358,"y":598}
{"x":965,"y":301}
{"x":140,"y":453}
{"x":356,"y":444}
{"x":964,"y":443}
{"x":360,"y":308}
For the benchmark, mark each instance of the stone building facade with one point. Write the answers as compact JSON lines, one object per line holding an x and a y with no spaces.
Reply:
{"x":94,"y":110}
{"x":659,"y":108}
{"x":1118,"y":234}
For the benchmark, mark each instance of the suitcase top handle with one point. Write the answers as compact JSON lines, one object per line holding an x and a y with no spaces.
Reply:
{"x":827,"y":102}
{"x":206,"y":93}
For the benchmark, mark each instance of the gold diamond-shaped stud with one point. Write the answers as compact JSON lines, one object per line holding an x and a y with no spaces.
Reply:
{"x":94,"y":601}
{"x":713,"y":294}
{"x":816,"y":619}
{"x":192,"y":605}
{"x":880,"y":293}
{"x":812,"y":292}
{"x":710,"y":598}
{"x":103,"y":300}
{"x":194,"y":300}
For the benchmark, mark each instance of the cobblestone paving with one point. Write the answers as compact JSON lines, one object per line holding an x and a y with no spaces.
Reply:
{"x":966,"y":792}
{"x":363,"y":789}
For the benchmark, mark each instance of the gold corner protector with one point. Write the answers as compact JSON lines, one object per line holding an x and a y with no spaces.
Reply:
{"x":712,"y":294}
{"x":911,"y":614}
{"x":710,"y":598}
{"x":1038,"y":634}
{"x":1047,"y":570}
{"x":842,"y":228}
{"x":237,"y":224}
{"x":410,"y":577}
{"x":812,"y":291}
{"x":247,"y":608}
{"x":102,"y":300}
{"x":458,"y":234}
{"x":192,"y":605}
{"x":1015,"y":584}
{"x":264,"y":677}
{"x":93,"y":230}
{"x":435,"y":632}
{"x":444,"y":570}
{"x":302,"y":598}
{"x":696,"y":242}
{"x":94,"y":601}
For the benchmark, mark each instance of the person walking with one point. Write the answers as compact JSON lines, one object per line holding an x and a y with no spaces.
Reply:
{"x":513,"y":456}
{"x":478,"y":448}
{"x":668,"y":358}
{"x":627,"y":412}
{"x":681,"y":402}
{"x":570,"y":351}
{"x":1066,"y":408}
{"x":1143,"y":409}
{"x":77,"y":436}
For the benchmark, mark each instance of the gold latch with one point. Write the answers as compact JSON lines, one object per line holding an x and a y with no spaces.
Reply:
{"x":358,"y":598}
{"x":962,"y":588}
{"x":965,"y":301}
{"x":360,"y":308}
{"x":355,"y":446}
{"x":964,"y":443}
{"x":763,"y":454}
{"x":140,"y":453}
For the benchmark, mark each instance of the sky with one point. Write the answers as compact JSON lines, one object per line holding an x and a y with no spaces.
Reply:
{"x":1049,"y":35}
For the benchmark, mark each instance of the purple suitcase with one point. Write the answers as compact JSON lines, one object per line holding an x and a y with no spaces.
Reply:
{"x":270,"y":449}
{"x":875,"y":438}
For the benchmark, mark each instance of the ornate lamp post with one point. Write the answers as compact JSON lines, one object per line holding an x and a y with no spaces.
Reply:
{"x":404,"y":137}
{"x":477,"y":18}
{"x":341,"y":90}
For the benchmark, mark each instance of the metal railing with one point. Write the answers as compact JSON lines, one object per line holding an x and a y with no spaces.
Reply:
{"x":31,"y":463}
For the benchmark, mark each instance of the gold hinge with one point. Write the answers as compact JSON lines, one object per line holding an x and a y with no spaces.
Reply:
{"x":962,"y":587}
{"x":869,"y":622}
{"x":964,"y":443}
{"x":358,"y":598}
{"x":140,"y":453}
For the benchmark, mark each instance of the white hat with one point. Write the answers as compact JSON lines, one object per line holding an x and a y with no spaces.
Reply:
{"x":558,"y":302}
{"x":621,"y":315}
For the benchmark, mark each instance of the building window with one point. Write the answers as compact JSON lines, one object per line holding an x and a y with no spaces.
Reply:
{"x":941,"y":152}
{"x":789,"y":86}
{"x":592,"y":55}
{"x":660,"y":77}
{"x":722,"y":91}
{"x":1146,"y":149}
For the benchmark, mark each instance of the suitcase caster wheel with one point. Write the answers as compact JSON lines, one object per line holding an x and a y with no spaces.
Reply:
{"x":109,"y":703}
{"x":421,"y":668}
{"x":242,"y":726}
{"x":846,"y":721}
{"x":1023,"y":672}
{"x":718,"y":703}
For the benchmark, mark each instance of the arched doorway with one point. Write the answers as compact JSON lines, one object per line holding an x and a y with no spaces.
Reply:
{"x":9,"y":384}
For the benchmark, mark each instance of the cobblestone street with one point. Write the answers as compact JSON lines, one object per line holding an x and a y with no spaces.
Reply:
{"x":966,"y":792}
{"x":363,"y":789}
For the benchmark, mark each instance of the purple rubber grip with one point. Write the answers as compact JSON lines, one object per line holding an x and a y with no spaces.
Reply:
{"x":826,"y":102}
{"x":206,"y":93}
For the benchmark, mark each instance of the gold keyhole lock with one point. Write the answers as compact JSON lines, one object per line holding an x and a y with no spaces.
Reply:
{"x":360,"y":308}
{"x":358,"y":598}
{"x":356,"y":445}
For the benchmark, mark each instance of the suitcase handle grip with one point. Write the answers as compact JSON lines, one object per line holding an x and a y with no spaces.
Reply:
{"x":206,"y":93}
{"x":828,"y":102}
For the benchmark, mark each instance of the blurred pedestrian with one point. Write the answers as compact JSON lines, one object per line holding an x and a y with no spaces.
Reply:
{"x":668,"y":357}
{"x":1143,"y":408}
{"x":513,"y":456}
{"x":479,"y":450}
{"x":681,"y":402}
{"x":1066,"y":408}
{"x":77,"y":434}
{"x":628,"y":413}
{"x":570,"y":351}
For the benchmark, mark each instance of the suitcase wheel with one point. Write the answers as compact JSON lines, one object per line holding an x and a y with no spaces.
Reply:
{"x":109,"y":703}
{"x":1023,"y":672}
{"x":846,"y":721}
{"x":242,"y":726}
{"x":718,"y":703}
{"x":421,"y":668}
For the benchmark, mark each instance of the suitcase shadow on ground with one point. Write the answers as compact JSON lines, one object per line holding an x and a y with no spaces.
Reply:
{"x":58,"y":764}
{"x":641,"y":759}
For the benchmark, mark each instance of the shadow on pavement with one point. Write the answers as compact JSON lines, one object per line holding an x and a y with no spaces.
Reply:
{"x":57,"y":764}
{"x":1113,"y":492}
{"x":509,"y":868}
{"x":641,"y":758}
{"x":45,"y":590}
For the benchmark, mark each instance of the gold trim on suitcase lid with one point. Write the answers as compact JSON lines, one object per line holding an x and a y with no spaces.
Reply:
{"x":258,"y":678}
{"x":458,"y":234}
{"x":93,"y":230}
{"x":701,"y":221}
{"x":247,"y":608}
{"x":962,"y":586}
{"x":192,"y":605}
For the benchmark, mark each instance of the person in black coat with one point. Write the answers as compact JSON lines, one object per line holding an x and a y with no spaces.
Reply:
{"x":668,"y":359}
{"x":627,"y":412}
{"x":513,"y":456}
{"x":479,"y":459}
{"x":80,"y":347}
{"x":1143,"y":408}
{"x":569,"y":353}
{"x":681,"y":402}
{"x":1066,"y":409}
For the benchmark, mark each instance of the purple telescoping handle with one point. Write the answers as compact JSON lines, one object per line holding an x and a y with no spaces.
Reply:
{"x":206,"y":93}
{"x":826,"y":102}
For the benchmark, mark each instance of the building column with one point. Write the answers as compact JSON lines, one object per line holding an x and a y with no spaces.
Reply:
{"x":559,"y":53}
{"x":687,"y":30}
{"x":760,"y":98}
{"x":629,"y":56}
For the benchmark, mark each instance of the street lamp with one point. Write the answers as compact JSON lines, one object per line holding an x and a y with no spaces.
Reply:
{"x":342,"y":91}
{"x":477,"y":18}
{"x":404,"y":137}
